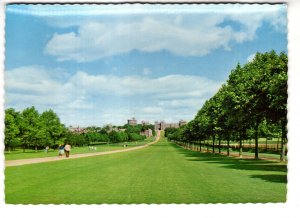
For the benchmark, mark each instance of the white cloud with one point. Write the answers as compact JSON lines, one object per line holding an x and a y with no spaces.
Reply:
{"x":147,"y":35}
{"x":152,"y":110}
{"x":97,"y":39}
{"x":170,"y":86}
{"x":182,"y":103}
{"x":83,"y":98}
{"x":36,"y":85}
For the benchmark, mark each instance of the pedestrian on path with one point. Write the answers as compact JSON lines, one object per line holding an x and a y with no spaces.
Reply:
{"x":61,"y":150}
{"x":67,"y":150}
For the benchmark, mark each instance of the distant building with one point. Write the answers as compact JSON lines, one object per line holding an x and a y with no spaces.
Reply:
{"x":77,"y":130}
{"x":145,"y":123}
{"x":161,"y":125}
{"x":147,"y":133}
{"x":132,"y":121}
{"x":182,"y":123}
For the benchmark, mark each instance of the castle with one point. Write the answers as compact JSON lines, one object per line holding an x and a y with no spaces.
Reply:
{"x":162,"y":125}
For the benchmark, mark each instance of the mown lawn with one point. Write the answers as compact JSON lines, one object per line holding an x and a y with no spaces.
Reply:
{"x":19,"y":154}
{"x":161,"y":173}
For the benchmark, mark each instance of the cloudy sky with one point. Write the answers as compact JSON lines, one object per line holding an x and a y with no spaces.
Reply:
{"x":101,"y":64}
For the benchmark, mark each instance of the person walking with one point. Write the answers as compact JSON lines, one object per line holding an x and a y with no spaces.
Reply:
{"x":60,"y":150}
{"x":67,"y":150}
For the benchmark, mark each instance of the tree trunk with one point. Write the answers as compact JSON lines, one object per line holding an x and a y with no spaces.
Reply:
{"x":256,"y":141}
{"x":228,"y":147}
{"x":214,"y":137}
{"x":35,"y":148}
{"x":207,"y":144}
{"x":277,"y":143}
{"x":266,"y":143}
{"x":282,"y":150}
{"x":219,"y":146}
{"x":241,"y":148}
{"x":200,"y":146}
{"x":282,"y":154}
{"x":23,"y":148}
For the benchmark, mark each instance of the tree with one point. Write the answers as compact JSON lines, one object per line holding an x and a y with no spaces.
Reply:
{"x":254,"y":93}
{"x":12,"y":130}
{"x":113,"y":136}
{"x":267,"y":90}
{"x":169,"y":131}
{"x":55,"y":131}
{"x":33,"y":130}
{"x":76,"y":139}
{"x":277,"y":94}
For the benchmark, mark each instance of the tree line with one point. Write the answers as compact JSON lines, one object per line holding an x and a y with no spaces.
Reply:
{"x":252,"y":103}
{"x":115,"y":134}
{"x":30,"y":129}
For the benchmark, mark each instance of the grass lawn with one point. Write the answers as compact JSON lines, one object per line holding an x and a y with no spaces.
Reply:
{"x":19,"y":154}
{"x":161,"y":173}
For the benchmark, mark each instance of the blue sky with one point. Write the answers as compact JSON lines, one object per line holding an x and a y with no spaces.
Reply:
{"x":101,"y":64}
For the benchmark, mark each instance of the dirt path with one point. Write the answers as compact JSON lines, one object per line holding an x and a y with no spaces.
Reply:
{"x":10,"y":163}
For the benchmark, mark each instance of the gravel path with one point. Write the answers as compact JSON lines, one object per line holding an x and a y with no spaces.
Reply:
{"x":10,"y":163}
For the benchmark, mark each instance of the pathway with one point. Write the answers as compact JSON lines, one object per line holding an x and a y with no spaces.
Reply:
{"x":10,"y":163}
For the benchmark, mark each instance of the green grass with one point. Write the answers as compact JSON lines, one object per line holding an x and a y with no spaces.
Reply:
{"x":161,"y":173}
{"x":29,"y":153}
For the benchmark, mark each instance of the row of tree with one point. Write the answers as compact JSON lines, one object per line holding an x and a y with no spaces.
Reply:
{"x":30,"y":129}
{"x":253,"y":98}
{"x":117,"y":134}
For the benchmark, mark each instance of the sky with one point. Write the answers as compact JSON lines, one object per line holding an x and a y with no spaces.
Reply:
{"x":103,"y":64}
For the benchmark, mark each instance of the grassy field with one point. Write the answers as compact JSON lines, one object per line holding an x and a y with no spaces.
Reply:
{"x":19,"y":154}
{"x":161,"y":173}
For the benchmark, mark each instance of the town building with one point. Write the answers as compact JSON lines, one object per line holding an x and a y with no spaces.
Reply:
{"x":77,"y":129}
{"x":182,"y":123}
{"x":147,"y":133}
{"x":145,"y":123}
{"x":132,"y":122}
{"x":162,"y":125}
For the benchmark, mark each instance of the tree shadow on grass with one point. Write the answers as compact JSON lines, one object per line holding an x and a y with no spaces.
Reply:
{"x":272,"y":178}
{"x":238,"y":164}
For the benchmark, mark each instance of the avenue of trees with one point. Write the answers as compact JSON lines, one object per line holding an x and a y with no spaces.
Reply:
{"x":251,"y":104}
{"x":29,"y":129}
